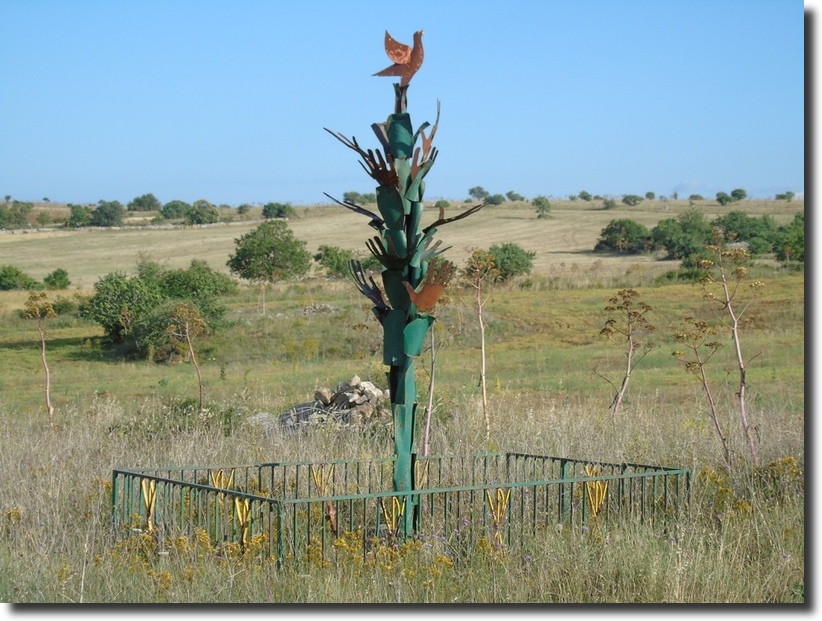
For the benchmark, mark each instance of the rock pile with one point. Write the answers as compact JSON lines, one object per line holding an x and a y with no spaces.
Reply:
{"x":353,"y":403}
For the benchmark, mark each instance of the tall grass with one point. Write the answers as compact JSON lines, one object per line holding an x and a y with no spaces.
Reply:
{"x":742,"y":539}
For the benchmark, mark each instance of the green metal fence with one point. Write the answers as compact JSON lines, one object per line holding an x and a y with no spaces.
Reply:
{"x":296,"y":511}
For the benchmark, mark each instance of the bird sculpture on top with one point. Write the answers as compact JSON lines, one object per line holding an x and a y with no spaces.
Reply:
{"x":407,"y":59}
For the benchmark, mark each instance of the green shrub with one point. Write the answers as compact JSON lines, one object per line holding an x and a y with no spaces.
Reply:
{"x":108,"y":213}
{"x":542,"y":205}
{"x":632,"y":200}
{"x":335,"y":260}
{"x":202,"y":212}
{"x":14,"y":278}
{"x":80,"y":215}
{"x":175,"y":209}
{"x":16,"y":215}
{"x":58,"y":279}
{"x":511,"y":260}
{"x":278,"y":210}
{"x":790,"y":244}
{"x":624,"y":236}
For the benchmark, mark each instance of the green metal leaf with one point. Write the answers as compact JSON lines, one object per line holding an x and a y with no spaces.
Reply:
{"x":414,"y":334}
{"x":400,"y":135}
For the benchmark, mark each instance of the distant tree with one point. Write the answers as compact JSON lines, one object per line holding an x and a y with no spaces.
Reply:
{"x":360,"y":199}
{"x":542,"y":205}
{"x":572,"y":197}
{"x":631,"y":200}
{"x":696,"y":197}
{"x":43,"y":218}
{"x":58,"y":279}
{"x":146,"y":202}
{"x":478,"y":193}
{"x":175,"y":209}
{"x":243,"y":209}
{"x":511,"y":260}
{"x":609,"y":203}
{"x":15,"y":215}
{"x":787,"y":196}
{"x":650,"y":196}
{"x":739,"y":194}
{"x":624,"y":236}
{"x":513,"y":196}
{"x":108,"y":213}
{"x":790,"y":245}
{"x":495,"y":199}
{"x":585,"y":196}
{"x":675,"y":195}
{"x":269,"y":253}
{"x":760,"y":233}
{"x":723,"y":198}
{"x":80,"y":215}
{"x":683,"y":237}
{"x":202,"y":212}
{"x":442,"y":204}
{"x":278,"y":210}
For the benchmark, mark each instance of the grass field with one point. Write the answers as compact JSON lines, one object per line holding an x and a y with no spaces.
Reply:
{"x":742,"y":539}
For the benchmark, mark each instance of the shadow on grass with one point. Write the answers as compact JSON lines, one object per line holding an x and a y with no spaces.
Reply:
{"x":73,"y":348}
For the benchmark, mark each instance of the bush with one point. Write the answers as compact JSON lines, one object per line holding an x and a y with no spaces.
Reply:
{"x":58,"y":279}
{"x":175,"y":209}
{"x":624,"y":236}
{"x":683,"y":237}
{"x":442,"y":204}
{"x":696,"y":197}
{"x":513,"y":196}
{"x":16,"y":215}
{"x":335,"y":260}
{"x":585,"y":196}
{"x":278,"y":210}
{"x":14,"y":278}
{"x":542,"y":205}
{"x":632,"y":200}
{"x":495,"y":199}
{"x":79,"y":216}
{"x":511,"y":260}
{"x":760,"y":233}
{"x":146,"y":202}
{"x":609,"y":203}
{"x":790,"y":244}
{"x":108,"y":213}
{"x":202,"y":212}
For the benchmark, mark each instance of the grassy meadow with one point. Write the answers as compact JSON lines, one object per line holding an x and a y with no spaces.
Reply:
{"x":741,"y":540}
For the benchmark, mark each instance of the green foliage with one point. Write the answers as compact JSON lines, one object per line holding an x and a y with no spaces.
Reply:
{"x":80,"y":215}
{"x":12,"y":277}
{"x":58,"y":279}
{"x":360,"y":199}
{"x":278,"y":210}
{"x":790,"y":245}
{"x":108,"y":213}
{"x":739,"y":194}
{"x":243,"y":209}
{"x":585,"y":196}
{"x":202,"y":212}
{"x":478,"y":193}
{"x":760,"y":233}
{"x":442,"y":204}
{"x":542,"y":205}
{"x":146,"y":202}
{"x":609,"y":203}
{"x":513,"y":196}
{"x":269,"y":253}
{"x":494,"y":199}
{"x":335,"y":260}
{"x":696,"y":197}
{"x":632,"y":200}
{"x":15,"y":216}
{"x":175,"y":209}
{"x":650,"y":196}
{"x":137,"y":310}
{"x":511,"y":260}
{"x":723,"y":198}
{"x":624,"y":236}
{"x":683,"y":237}
{"x":787,"y":196}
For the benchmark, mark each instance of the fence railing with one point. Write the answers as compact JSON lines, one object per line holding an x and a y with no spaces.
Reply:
{"x":295,"y":511}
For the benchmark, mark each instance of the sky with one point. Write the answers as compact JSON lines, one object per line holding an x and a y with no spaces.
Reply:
{"x":227,"y":100}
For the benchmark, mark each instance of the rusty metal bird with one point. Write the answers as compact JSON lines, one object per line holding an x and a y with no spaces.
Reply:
{"x":407,"y":59}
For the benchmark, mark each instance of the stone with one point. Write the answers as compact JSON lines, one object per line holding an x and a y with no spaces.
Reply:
{"x":324,"y":396}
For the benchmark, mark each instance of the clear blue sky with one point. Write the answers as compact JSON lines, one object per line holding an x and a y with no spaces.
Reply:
{"x":227,"y":100}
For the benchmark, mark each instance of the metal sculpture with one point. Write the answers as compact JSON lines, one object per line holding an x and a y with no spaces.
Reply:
{"x":410,"y":290}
